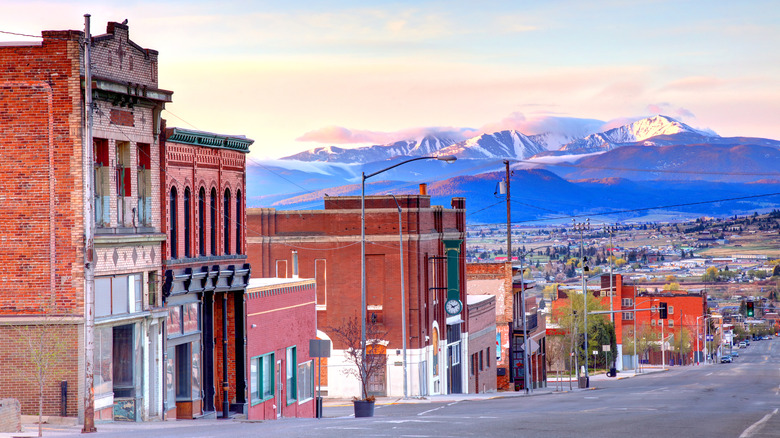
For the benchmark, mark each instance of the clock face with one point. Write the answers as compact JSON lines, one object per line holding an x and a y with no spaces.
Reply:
{"x":453,"y":307}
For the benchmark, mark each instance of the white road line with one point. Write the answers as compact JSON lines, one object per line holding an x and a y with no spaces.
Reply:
{"x":709,"y":374}
{"x":430,"y":410}
{"x":756,"y":427}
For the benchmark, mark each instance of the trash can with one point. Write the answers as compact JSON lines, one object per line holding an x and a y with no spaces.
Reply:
{"x":612,"y":372}
{"x":583,"y":382}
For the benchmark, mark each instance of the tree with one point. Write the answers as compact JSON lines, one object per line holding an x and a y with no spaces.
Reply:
{"x":43,"y":345}
{"x":672,"y":286}
{"x":569,"y":317}
{"x":710,"y":275}
{"x":348,"y":335}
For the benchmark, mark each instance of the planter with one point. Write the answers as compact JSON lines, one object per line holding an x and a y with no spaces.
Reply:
{"x":364,"y":408}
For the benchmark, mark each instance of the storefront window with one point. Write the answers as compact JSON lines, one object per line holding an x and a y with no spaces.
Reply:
{"x":191,"y":317}
{"x":195,"y":370}
{"x":124,"y":358}
{"x":174,"y":321}
{"x":305,"y":381}
{"x":103,"y":369}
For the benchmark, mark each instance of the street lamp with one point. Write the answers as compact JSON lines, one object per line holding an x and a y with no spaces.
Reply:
{"x":403,"y":297}
{"x":364,"y":177}
{"x":582,"y":226}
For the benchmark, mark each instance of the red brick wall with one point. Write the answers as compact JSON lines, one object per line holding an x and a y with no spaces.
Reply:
{"x":482,"y":339}
{"x":333,"y":235}
{"x":283,"y":316}
{"x":196,"y":167}
{"x":17,"y":379}
{"x":219,"y":358}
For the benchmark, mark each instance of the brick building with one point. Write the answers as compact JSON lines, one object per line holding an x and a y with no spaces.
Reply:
{"x":281,"y":373}
{"x":498,"y":279}
{"x":327,"y":243}
{"x":686,"y":313}
{"x":42,"y":169}
{"x":206,"y":272}
{"x":482,"y":343}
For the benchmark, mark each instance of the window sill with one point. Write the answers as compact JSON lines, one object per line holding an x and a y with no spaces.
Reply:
{"x":261,"y":400}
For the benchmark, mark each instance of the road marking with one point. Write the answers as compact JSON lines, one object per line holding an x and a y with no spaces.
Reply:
{"x":709,"y":374}
{"x":430,"y":410}
{"x":450,"y":404}
{"x":756,"y":427}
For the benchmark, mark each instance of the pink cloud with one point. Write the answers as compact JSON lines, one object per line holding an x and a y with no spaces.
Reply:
{"x":342,"y":135}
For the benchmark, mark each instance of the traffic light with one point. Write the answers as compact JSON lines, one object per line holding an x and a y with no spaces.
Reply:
{"x":750,"y":310}
{"x":662,"y":310}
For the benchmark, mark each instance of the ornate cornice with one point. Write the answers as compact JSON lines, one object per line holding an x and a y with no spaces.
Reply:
{"x":208,"y":139}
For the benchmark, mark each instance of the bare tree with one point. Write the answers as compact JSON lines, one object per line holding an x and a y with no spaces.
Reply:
{"x":348,"y":335}
{"x":44,"y":345}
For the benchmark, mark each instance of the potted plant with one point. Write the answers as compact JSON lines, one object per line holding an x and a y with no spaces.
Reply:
{"x":348,"y":334}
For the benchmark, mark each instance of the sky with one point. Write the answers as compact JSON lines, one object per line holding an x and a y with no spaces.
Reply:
{"x":302,"y":74}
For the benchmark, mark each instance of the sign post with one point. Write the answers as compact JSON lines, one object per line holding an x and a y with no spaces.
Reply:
{"x":319,"y":348}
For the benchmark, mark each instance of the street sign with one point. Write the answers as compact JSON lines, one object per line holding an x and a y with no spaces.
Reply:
{"x":710,"y":338}
{"x":319,"y":348}
{"x":605,"y":347}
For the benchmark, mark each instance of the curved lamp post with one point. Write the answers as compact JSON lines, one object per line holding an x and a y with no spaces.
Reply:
{"x":446,"y":158}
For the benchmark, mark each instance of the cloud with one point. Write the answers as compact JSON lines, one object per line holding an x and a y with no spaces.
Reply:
{"x":342,"y":135}
{"x":668,"y":109}
{"x":693,"y":83}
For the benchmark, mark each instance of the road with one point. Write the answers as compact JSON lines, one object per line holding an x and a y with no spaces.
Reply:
{"x":740,"y":399}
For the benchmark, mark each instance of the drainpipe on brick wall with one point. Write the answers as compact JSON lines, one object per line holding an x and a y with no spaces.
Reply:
{"x":89,"y":223}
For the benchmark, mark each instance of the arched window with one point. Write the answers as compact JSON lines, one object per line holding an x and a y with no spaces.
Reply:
{"x":174,"y":228}
{"x":202,"y":221}
{"x":226,"y":221}
{"x":187,"y":228}
{"x":213,"y":221}
{"x":239,"y":218}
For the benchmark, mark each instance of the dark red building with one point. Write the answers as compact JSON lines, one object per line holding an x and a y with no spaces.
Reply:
{"x":203,"y":183}
{"x":281,"y":373}
{"x":327,"y":243}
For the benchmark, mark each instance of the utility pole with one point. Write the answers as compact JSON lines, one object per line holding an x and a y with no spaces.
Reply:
{"x":89,"y":239}
{"x":508,"y":218}
{"x":582,"y":227}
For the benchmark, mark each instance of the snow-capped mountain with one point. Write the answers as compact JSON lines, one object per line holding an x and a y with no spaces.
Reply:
{"x":638,"y":131}
{"x":428,"y":145}
{"x":504,"y":144}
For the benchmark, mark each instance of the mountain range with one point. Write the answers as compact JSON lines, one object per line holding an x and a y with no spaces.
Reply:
{"x":656,"y":160}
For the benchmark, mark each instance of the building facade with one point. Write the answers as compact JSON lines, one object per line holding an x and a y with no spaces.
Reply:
{"x":205,"y":272}
{"x":43,"y":168}
{"x":502,"y":281}
{"x":327,"y":246}
{"x":482,"y":344}
{"x":281,"y":372}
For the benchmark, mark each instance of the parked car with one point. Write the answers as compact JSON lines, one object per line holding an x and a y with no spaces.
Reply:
{"x":743,"y":344}
{"x":735,"y":354}
{"x":726,"y":359}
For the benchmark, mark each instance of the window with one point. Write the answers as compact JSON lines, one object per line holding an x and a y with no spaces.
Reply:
{"x":187,"y":230}
{"x":670,"y":310}
{"x":213,"y":221}
{"x":305,"y":381}
{"x":202,"y":221}
{"x":184,"y":319}
{"x":183,"y":370}
{"x":226,"y":222}
{"x":628,"y":302}
{"x":102,"y":183}
{"x":481,"y":361}
{"x":118,"y":295}
{"x":124,"y":355}
{"x":487,"y":357}
{"x":173,"y":226}
{"x":472,"y":363}
{"x":291,"y":375}
{"x":671,"y":322}
{"x":652,"y":323}
{"x":123,"y":183}
{"x":628,"y":315}
{"x":104,"y":371}
{"x":144,"y":185}
{"x":239,"y":218}
{"x":152,"y":282}
{"x":261,"y":374}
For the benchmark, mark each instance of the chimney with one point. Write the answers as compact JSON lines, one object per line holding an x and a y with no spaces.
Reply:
{"x":423,"y":189}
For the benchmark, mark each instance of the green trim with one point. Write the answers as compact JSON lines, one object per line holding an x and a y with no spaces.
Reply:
{"x":294,"y":379}
{"x":259,"y":383}
{"x":207,"y":139}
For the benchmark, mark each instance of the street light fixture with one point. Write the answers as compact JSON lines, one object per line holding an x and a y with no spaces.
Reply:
{"x":364,"y":177}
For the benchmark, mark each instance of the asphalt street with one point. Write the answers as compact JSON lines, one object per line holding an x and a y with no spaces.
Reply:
{"x":740,"y":399}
